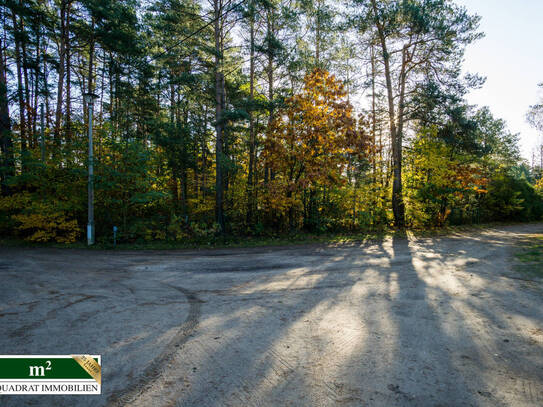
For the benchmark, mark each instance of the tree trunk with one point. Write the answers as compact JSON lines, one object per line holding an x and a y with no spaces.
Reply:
{"x":28,"y":111}
{"x":102,"y":80}
{"x":111,"y":73}
{"x":61,"y":67}
{"x":46,"y":89}
{"x":219,"y":125}
{"x":318,"y":34}
{"x":68,"y":135}
{"x":398,"y":208}
{"x":204,"y":155}
{"x":36,"y":77}
{"x":20,"y":94}
{"x":398,"y":156}
{"x":184,"y":155}
{"x":7,"y":161}
{"x":252,"y":141}
{"x":268,"y":173}
{"x":373,"y":117}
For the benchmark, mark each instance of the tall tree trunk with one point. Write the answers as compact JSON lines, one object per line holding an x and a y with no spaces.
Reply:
{"x":102,"y":80}
{"x":174,"y":125}
{"x":7,"y":161}
{"x":61,"y":68}
{"x":398,"y":156}
{"x":252,"y":139}
{"x":111,"y":81}
{"x":172,"y":99}
{"x":36,"y":75}
{"x":46,"y":89}
{"x":68,"y":135}
{"x":270,"y":71}
{"x":20,"y":90}
{"x":398,"y":208}
{"x":219,"y":125}
{"x":373,"y":116}
{"x":28,"y":111}
{"x":116,"y":110}
{"x":204,"y":154}
{"x":318,"y":34}
{"x":183,"y":170}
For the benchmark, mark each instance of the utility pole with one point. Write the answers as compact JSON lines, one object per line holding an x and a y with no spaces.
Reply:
{"x":89,"y":98}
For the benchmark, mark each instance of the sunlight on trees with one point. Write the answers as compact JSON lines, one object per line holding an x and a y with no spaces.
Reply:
{"x":254,"y":118}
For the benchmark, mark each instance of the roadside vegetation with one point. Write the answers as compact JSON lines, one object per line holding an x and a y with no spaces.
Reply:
{"x":218,"y":241}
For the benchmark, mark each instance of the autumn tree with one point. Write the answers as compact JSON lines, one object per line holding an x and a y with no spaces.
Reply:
{"x":311,"y":138}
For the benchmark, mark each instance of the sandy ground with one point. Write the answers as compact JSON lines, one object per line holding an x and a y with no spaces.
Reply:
{"x":400,"y":322}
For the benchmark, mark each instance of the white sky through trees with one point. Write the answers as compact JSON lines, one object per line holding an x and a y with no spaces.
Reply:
{"x":511,"y":58}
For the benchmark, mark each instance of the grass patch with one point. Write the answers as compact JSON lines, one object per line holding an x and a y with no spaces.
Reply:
{"x":530,"y":256}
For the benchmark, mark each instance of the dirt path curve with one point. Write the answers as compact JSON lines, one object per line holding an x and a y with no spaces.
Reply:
{"x":442,"y":321}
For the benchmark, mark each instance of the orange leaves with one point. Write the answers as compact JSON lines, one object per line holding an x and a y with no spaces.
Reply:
{"x":309,"y":144}
{"x":469,"y":178}
{"x":312,"y":135}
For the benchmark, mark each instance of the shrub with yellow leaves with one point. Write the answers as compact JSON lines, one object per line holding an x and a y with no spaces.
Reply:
{"x":539,"y":186}
{"x":439,"y":182}
{"x":39,"y":221}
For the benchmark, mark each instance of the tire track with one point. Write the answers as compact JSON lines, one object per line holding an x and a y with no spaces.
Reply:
{"x":155,"y":371}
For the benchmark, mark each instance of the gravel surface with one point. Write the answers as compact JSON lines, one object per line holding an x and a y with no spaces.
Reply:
{"x":443,"y":321}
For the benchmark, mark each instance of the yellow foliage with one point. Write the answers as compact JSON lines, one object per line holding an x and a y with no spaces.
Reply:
{"x":539,"y":186}
{"x":177,"y":229}
{"x":438,"y":180}
{"x":15,"y":202}
{"x":43,"y":223}
{"x":309,"y":142}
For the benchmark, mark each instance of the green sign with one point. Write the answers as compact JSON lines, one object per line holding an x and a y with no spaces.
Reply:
{"x":42,"y":368}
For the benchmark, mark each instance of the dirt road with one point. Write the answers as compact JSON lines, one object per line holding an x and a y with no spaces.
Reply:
{"x":401,"y":322}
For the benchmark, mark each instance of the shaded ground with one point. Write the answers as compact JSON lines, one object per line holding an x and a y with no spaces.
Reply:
{"x":446,"y":321}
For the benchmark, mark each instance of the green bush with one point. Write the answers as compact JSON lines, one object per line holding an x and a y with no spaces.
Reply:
{"x":511,"y":199}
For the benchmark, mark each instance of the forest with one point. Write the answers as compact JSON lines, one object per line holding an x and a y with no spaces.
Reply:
{"x":250,"y":118}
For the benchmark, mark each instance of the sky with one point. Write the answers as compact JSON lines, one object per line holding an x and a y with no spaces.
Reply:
{"x":511,"y":58}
